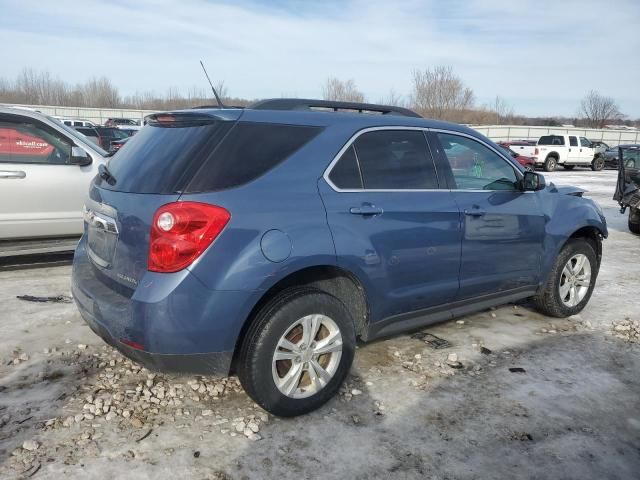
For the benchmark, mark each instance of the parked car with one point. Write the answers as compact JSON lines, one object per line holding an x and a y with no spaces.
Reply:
{"x":121,"y":122}
{"x":45,"y":169}
{"x":567,"y":150}
{"x":599,"y":145}
{"x":529,"y":163}
{"x":264,"y":241}
{"x":77,"y":123}
{"x":117,"y":144}
{"x":521,"y":147}
{"x":628,"y":185}
{"x":129,"y":131}
{"x":103,"y":136}
{"x":611,"y":155}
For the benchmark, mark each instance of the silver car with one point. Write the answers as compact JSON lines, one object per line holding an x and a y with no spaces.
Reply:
{"x":45,"y":170}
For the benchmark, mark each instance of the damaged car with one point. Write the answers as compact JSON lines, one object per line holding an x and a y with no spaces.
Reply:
{"x":628,"y":186}
{"x":265,"y":241}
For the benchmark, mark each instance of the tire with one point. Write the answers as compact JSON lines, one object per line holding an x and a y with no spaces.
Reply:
{"x":550,"y":299}
{"x":550,"y":164}
{"x":634,"y":220}
{"x":568,"y":167}
{"x":598,"y":163}
{"x":530,"y":168}
{"x":281,"y":320}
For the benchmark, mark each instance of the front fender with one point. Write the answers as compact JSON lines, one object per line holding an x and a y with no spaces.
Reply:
{"x":567,"y":215}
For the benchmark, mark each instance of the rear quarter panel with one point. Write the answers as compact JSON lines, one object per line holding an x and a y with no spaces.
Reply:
{"x":285,"y":199}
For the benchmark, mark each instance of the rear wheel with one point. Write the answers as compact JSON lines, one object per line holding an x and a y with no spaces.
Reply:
{"x":598,"y":163}
{"x":550,"y":164}
{"x":297,"y":352}
{"x":634,"y":220}
{"x":571,"y":280}
{"x":568,"y":167}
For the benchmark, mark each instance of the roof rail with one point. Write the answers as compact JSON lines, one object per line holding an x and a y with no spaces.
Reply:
{"x":309,"y":104}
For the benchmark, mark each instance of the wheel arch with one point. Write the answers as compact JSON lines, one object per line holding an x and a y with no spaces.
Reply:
{"x":591,"y":234}
{"x":330,"y":279}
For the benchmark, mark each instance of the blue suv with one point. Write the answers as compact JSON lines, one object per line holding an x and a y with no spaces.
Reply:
{"x":264,"y":241}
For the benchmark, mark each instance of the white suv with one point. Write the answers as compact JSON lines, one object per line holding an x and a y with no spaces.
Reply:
{"x":45,"y":170}
{"x":569,"y":151}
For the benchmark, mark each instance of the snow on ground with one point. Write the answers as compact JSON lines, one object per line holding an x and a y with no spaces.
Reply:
{"x":72,"y":407}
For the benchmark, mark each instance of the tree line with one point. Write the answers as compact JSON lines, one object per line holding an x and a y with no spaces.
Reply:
{"x":435,"y":92}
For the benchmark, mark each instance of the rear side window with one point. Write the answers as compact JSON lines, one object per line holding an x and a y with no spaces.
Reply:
{"x":249,"y":151}
{"x":158,"y":159}
{"x":345,"y":174}
{"x":551,"y":140}
{"x":395,"y":160}
{"x":573,"y":142}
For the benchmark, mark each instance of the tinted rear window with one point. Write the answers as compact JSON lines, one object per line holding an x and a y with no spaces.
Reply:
{"x":160,"y":159}
{"x":551,"y":140}
{"x":249,"y":151}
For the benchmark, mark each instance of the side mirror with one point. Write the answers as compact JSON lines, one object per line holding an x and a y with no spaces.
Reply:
{"x":532,"y":182}
{"x":80,"y":157}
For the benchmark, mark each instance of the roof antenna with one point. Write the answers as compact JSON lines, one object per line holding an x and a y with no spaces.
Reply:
{"x":220,"y":104}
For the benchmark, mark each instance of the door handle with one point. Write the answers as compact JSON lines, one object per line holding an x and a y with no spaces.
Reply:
{"x":476,"y":212}
{"x":12,"y":174}
{"x":366,"y":210}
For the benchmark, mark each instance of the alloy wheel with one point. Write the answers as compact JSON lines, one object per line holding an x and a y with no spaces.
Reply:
{"x":575,"y":280}
{"x":307,"y":356}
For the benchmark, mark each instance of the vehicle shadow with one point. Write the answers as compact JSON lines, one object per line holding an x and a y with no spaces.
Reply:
{"x":541,"y":410}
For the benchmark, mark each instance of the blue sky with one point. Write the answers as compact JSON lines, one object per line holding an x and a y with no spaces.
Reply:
{"x":541,"y":56}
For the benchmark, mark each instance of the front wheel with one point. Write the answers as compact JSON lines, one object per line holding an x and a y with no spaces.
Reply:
{"x":297,"y":352}
{"x":550,"y":164}
{"x":598,"y":163}
{"x":570,"y":282}
{"x":634,"y":220}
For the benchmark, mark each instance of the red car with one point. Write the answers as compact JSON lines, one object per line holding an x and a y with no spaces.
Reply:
{"x":527,"y":162}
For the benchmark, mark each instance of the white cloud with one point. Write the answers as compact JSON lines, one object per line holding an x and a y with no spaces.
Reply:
{"x":542,"y":56}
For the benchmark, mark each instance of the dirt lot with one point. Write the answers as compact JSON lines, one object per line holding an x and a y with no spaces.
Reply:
{"x":72,"y":408}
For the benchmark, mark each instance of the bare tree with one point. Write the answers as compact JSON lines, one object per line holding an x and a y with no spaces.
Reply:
{"x":345,"y":91}
{"x":439,"y":93}
{"x":502,"y":110}
{"x":393,"y":98}
{"x":597,"y":109}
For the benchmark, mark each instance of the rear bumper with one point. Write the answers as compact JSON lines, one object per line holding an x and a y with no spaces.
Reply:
{"x":180,"y":325}
{"x":217,"y":363}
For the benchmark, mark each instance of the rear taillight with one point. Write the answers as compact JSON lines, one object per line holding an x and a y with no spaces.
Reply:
{"x":181,"y":231}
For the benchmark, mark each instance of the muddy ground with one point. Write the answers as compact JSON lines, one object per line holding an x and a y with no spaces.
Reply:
{"x":535,"y":397}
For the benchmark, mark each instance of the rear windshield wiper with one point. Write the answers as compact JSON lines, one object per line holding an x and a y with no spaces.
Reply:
{"x":105,"y":174}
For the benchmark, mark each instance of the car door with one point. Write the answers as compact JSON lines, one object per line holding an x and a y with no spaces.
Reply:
{"x":502,"y":226}
{"x":587,"y":152}
{"x":41,"y":193}
{"x":391,"y":223}
{"x":573,"y":152}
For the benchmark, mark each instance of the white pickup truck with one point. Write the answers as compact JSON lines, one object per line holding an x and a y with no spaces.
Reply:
{"x":567,"y":150}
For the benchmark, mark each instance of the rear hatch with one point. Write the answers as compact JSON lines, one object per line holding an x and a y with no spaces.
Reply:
{"x":153,"y":170}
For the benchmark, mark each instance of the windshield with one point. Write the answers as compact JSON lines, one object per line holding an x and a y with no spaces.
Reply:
{"x":75,"y":134}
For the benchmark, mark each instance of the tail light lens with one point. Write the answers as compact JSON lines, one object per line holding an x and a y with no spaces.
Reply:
{"x":181,"y":231}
